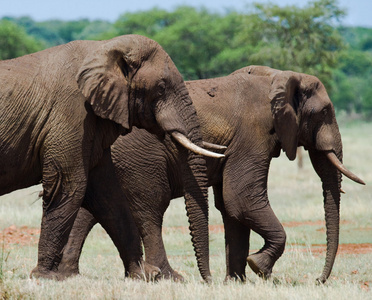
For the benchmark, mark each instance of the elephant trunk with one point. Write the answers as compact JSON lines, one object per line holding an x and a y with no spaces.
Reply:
{"x":193,"y":167}
{"x":196,"y":201}
{"x":196,"y":194}
{"x":331,"y":183}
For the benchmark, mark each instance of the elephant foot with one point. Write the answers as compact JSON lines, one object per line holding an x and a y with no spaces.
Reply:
{"x":172,"y":275}
{"x":68,"y":270}
{"x":144,"y":271}
{"x":38,"y":272}
{"x":261,"y":263}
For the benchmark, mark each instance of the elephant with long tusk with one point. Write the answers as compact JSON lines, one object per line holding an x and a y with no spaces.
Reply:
{"x":255,"y":112}
{"x":61,"y":110}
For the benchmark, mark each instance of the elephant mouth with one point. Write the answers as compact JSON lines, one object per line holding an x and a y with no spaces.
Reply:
{"x":185,"y":142}
{"x":339,"y":166}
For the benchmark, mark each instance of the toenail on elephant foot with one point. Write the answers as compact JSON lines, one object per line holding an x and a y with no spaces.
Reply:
{"x":46,"y":274}
{"x":151,"y":272}
{"x":66,"y":270}
{"x":261,"y":264}
{"x":177,"y":277}
{"x":144,"y":271}
{"x":172,"y":275}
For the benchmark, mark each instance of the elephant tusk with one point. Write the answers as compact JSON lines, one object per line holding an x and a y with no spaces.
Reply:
{"x":342,"y":191}
{"x":213,"y":146}
{"x":336,"y":162}
{"x":184,"y":141}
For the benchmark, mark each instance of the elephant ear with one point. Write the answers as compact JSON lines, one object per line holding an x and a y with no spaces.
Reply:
{"x":103,"y":80}
{"x":284,"y":98}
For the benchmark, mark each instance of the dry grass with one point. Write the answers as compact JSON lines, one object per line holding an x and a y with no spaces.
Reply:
{"x":295,"y":196}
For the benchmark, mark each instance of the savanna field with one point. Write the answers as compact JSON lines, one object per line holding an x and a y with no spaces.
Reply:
{"x":296,"y":197}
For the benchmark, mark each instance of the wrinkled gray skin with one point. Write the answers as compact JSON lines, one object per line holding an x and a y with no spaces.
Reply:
{"x":255,"y":112}
{"x":63,"y":107}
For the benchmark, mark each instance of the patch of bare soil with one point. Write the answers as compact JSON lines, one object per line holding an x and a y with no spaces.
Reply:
{"x":316,"y":249}
{"x":344,"y":248}
{"x":22,"y":236}
{"x":310,"y":223}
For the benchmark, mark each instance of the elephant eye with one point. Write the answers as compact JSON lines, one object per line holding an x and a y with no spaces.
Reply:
{"x":161,"y":88}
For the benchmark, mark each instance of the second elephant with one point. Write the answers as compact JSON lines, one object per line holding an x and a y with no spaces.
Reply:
{"x":256,"y":112}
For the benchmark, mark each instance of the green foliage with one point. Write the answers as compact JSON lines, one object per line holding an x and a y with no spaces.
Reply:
{"x":357,"y":37}
{"x":14,"y":41}
{"x":292,"y":38}
{"x":204,"y":44}
{"x":351,"y":88}
{"x":192,"y":37}
{"x":57,"y":32}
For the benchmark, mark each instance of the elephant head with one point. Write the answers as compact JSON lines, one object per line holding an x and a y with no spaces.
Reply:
{"x":303,"y":115}
{"x":132,"y":81}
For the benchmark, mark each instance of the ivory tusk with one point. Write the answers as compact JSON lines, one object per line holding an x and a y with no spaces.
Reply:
{"x":336,"y":162}
{"x":184,"y":141}
{"x":213,"y":146}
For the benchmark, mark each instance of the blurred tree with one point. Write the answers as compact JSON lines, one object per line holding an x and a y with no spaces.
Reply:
{"x":299,"y":39}
{"x":358,"y":38}
{"x":204,"y":44}
{"x":351,"y":86}
{"x":192,"y":37}
{"x":14,"y":41}
{"x":147,"y":23}
{"x":69,"y":30}
{"x":57,"y":32}
{"x":93,"y":30}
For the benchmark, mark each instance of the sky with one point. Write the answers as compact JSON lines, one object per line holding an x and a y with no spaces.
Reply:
{"x":358,"y":11}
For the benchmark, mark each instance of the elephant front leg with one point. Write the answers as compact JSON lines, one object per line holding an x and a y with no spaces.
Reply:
{"x":265,"y":223}
{"x":61,"y":202}
{"x":246,"y":201}
{"x":155,"y":252}
{"x":236,"y":241}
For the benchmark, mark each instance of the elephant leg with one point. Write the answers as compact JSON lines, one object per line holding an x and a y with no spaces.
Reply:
{"x":106,"y":201}
{"x":63,"y":193}
{"x":236,"y":240}
{"x":149,"y":221}
{"x":245,"y":199}
{"x":84,"y":222}
{"x":265,"y":223}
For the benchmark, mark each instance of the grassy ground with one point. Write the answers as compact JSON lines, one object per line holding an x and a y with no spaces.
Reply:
{"x":296,"y":197}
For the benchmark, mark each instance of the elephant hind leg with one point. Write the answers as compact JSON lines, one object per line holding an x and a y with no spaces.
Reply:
{"x":83,"y":224}
{"x":245,"y":199}
{"x":62,"y":198}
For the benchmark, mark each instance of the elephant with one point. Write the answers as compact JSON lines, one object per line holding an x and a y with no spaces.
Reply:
{"x":255,"y":112}
{"x":61,"y":110}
